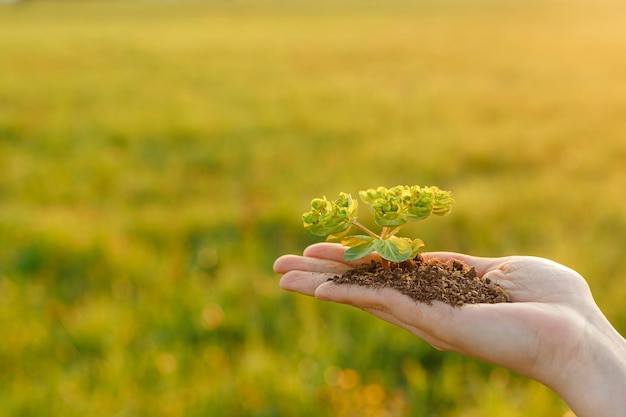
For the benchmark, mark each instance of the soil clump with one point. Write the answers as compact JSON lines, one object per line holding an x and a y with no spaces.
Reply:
{"x":454,"y":282}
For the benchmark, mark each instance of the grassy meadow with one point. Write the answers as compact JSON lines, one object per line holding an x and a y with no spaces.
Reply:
{"x":155,"y":158}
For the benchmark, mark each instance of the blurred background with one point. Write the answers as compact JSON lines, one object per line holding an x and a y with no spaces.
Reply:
{"x":156,"y":157}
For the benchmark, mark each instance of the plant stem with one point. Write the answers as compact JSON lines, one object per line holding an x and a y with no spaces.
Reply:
{"x":396,"y":230}
{"x":386,"y":264}
{"x":366,"y":230}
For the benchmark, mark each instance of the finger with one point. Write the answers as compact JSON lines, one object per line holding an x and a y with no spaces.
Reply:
{"x":288,"y":263}
{"x":533,"y":279}
{"x":427,"y":321}
{"x":501,"y":279}
{"x":326,"y":250}
{"x":304,"y":274}
{"x":427,"y":337}
{"x":304,"y":282}
{"x":335,"y":252}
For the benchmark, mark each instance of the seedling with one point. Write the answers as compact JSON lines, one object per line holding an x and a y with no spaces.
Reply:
{"x":392,"y":208}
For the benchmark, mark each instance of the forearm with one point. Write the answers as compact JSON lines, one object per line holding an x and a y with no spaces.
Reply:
{"x":596,"y":386}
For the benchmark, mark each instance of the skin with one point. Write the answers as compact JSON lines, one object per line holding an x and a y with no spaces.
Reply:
{"x":552,"y":331}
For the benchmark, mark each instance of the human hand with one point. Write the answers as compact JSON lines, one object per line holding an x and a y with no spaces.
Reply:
{"x":551,"y":331}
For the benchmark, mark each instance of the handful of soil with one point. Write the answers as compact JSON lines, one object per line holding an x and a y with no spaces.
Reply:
{"x":454,"y":282}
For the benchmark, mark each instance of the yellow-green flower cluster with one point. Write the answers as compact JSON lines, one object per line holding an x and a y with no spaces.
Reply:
{"x":327,"y":217}
{"x":392,"y":208}
{"x":397,"y":205}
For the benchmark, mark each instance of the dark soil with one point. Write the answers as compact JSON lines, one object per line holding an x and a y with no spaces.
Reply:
{"x":454,"y":282}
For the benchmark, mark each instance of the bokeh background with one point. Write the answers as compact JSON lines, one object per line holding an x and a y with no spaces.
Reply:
{"x":155,"y":158}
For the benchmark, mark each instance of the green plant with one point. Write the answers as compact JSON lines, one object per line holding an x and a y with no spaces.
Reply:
{"x":392,"y":208}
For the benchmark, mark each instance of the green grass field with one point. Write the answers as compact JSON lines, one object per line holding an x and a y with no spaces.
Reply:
{"x":155,"y":159}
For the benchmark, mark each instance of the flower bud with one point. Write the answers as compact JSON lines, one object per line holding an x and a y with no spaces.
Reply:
{"x":443,"y":203}
{"x":388,"y":209}
{"x":371,"y":194}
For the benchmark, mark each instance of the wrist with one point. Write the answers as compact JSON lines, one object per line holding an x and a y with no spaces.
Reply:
{"x":593,"y":384}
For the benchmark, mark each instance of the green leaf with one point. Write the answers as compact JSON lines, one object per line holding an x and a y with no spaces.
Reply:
{"x":416,"y":245}
{"x":356,"y":240}
{"x":359,"y":251}
{"x":337,"y":237}
{"x":389,"y":220}
{"x":394,"y":249}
